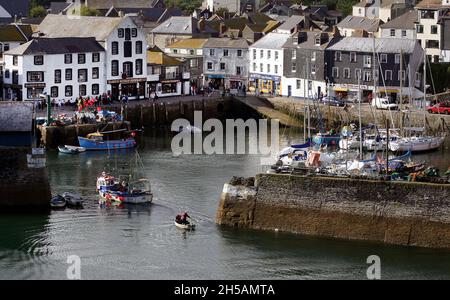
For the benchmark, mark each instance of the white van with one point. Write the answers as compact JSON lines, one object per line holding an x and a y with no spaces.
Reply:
{"x":383,"y":103}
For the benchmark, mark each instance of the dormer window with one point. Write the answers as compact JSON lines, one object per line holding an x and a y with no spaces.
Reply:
{"x":318,"y":41}
{"x":295,"y":41}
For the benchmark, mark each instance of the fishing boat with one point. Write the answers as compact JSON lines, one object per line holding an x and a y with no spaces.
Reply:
{"x":132,"y":193}
{"x":105,"y":183}
{"x":71,"y":149}
{"x":188,"y":226}
{"x":98,"y":141}
{"x":72,"y":199}
{"x":58,"y":202}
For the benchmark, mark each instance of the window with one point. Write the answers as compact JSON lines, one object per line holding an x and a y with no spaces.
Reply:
{"x":383,"y":58}
{"x":239,"y":53}
{"x":353,"y":57}
{"x":261,"y":68}
{"x":299,"y":84}
{"x":269,"y":54}
{"x":401,"y":75}
{"x":68,"y":74}
{"x":57,"y":76}
{"x":211,"y":52}
{"x":127,"y":51}
{"x":388,"y":75}
{"x":397,"y":58}
{"x":268,"y":68}
{"x":313,"y":56}
{"x":33,"y":93}
{"x":294,"y":67}
{"x":68,"y":91}
{"x":7,"y":74}
{"x":95,"y":89}
{"x":134,"y":32}
{"x":95,"y":73}
{"x":313,"y":69}
{"x":15,"y":60}
{"x":81,"y":59}
{"x":276,"y":69}
{"x":419,"y":28}
{"x":403,"y":33}
{"x":367,"y":76}
{"x":318,"y":41}
{"x":115,"y":68}
{"x":294,"y":54}
{"x":335,"y":72}
{"x":238,"y":70}
{"x":276,"y":55}
{"x":138,"y":66}
{"x":427,"y":14}
{"x":432,"y":44}
{"x":358,"y":74}
{"x":82,"y":90}
{"x":38,"y":60}
{"x":434,"y":29}
{"x":254,"y":67}
{"x":127,"y":34}
{"x":222,"y":66}
{"x":209,"y":65}
{"x":128,"y":69}
{"x":193,"y":63}
{"x":225,"y":52}
{"x":191,"y":52}
{"x":254,"y":53}
{"x":347,"y":73}
{"x":68,"y":59}
{"x":115,"y":48}
{"x":392,"y":34}
{"x":261,"y":54}
{"x":338,"y":56}
{"x":95,"y":57}
{"x":120,"y":33}
{"x":6,"y":47}
{"x":367,"y":61}
{"x":54,"y":91}
{"x":35,"y":76}
{"x":82,"y":75}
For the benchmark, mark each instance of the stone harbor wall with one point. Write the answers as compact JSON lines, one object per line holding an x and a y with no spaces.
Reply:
{"x":401,"y":213}
{"x":22,"y":188}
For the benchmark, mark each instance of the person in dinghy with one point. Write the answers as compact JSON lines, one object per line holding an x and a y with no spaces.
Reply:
{"x":182,"y":218}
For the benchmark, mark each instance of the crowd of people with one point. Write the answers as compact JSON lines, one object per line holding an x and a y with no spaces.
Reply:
{"x":78,"y":103}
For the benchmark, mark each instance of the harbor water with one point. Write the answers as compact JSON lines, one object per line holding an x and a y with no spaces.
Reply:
{"x":141,"y":241}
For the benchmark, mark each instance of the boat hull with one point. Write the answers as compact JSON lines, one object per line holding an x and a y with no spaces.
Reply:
{"x":418,"y":145}
{"x":140,"y":198}
{"x":92,"y":145}
{"x":184,"y":226}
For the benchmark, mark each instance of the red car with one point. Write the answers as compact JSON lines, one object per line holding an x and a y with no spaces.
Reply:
{"x":440,"y":108}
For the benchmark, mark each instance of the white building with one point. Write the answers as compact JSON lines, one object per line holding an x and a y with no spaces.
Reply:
{"x":384,"y":10}
{"x":125,"y":47}
{"x":233,"y":6}
{"x":430,"y":29}
{"x":402,"y":27}
{"x":266,"y":63}
{"x":63,"y":68}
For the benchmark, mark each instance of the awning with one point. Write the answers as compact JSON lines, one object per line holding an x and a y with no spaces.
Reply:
{"x":388,"y":91}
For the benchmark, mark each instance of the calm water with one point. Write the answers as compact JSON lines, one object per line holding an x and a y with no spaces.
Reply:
{"x":140,"y":242}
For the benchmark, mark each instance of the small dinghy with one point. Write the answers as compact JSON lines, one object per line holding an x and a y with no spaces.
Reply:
{"x":72,"y":199}
{"x":188,"y":226}
{"x":58,"y":202}
{"x":71,"y":149}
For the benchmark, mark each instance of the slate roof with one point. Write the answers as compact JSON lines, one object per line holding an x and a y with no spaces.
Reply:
{"x":272,"y":40}
{"x":57,"y":46}
{"x":19,"y":8}
{"x":226,"y":43}
{"x":15,"y":33}
{"x":366,"y":24}
{"x":405,"y":21}
{"x":383,"y":45}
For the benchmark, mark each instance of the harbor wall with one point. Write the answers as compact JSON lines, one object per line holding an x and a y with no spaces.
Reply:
{"x":22,"y":188}
{"x":400,"y":213}
{"x":140,"y":116}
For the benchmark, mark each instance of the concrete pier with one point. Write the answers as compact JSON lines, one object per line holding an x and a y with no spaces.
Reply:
{"x":400,"y":213}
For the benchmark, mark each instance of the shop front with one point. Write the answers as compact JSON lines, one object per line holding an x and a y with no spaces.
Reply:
{"x":215,"y":81}
{"x":134,"y":88}
{"x":12,"y":92}
{"x":168,"y":88}
{"x":268,"y":84}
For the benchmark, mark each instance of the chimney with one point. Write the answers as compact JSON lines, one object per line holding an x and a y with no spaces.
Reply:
{"x":201,"y":24}
{"x":222,"y":28}
{"x":120,"y":13}
{"x":336,"y":32}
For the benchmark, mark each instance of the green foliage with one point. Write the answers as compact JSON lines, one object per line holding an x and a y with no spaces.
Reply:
{"x":187,"y":6}
{"x":38,"y":12}
{"x":345,"y":6}
{"x":441,"y":77}
{"x":222,"y":11}
{"x":86,"y":11}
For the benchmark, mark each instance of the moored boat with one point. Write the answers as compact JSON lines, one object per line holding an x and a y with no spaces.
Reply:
{"x":326,"y":139}
{"x":97,"y":141}
{"x":417,"y":144}
{"x":72,"y":199}
{"x":71,"y":149}
{"x":188,"y":226}
{"x":58,"y":202}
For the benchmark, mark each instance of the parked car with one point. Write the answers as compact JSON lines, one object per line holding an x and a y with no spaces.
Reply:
{"x":332,"y":101}
{"x":439,"y":108}
{"x":384,"y":103}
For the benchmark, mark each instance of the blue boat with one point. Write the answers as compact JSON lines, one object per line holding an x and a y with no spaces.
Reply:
{"x":326,"y":139}
{"x":97,"y":141}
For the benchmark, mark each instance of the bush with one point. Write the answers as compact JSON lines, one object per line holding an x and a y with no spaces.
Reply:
{"x":38,"y":12}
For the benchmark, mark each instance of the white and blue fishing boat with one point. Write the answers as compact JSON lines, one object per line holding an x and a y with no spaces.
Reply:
{"x":97,"y":141}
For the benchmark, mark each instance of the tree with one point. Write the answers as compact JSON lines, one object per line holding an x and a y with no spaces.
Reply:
{"x":86,"y":11}
{"x":222,"y":12}
{"x":38,"y":12}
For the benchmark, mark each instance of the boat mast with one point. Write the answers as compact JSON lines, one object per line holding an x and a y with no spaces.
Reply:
{"x":401,"y":77}
{"x":360,"y":121}
{"x":424,"y":88}
{"x":307,"y":92}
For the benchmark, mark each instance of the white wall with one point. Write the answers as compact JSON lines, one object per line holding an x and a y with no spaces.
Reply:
{"x":232,"y":5}
{"x":265,"y":60}
{"x":426,"y":35}
{"x":300,"y":92}
{"x":386,"y":33}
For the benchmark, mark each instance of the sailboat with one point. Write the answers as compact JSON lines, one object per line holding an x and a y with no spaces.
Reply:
{"x":417,"y":141}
